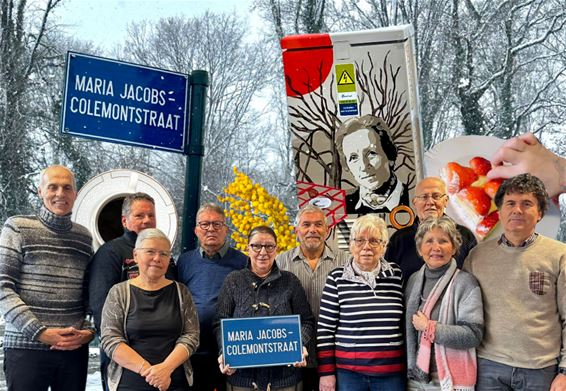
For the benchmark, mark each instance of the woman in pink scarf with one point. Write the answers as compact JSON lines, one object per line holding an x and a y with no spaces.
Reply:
{"x":444,"y":314}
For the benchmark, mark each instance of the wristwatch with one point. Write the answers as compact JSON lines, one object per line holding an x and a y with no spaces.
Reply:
{"x":562,"y":370}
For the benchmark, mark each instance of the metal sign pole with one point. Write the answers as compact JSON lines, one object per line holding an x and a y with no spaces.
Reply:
{"x":194,"y":149}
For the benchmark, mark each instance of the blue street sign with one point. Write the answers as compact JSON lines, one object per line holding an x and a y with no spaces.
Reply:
{"x":126,"y":103}
{"x":261,"y":342}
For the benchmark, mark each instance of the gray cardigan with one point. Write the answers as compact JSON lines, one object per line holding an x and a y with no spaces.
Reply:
{"x":465,"y":325}
{"x":113,"y":327}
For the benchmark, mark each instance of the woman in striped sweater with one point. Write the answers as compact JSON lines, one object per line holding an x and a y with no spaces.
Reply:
{"x":359,"y":337}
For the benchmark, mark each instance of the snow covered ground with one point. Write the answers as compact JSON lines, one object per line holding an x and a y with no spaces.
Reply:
{"x":93,"y":381}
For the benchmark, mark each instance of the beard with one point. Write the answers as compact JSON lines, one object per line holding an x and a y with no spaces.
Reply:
{"x":312,"y":244}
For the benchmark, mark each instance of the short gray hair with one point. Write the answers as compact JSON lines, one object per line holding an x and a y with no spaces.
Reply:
{"x":151,"y":233}
{"x":131,"y":198}
{"x":310,"y":208}
{"x":371,"y":223}
{"x":445,"y":224}
{"x":212,"y":207}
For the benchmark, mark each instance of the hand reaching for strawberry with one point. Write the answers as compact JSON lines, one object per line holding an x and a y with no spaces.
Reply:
{"x":525,"y":154}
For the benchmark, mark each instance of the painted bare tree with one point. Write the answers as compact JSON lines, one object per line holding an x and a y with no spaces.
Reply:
{"x":315,"y":117}
{"x":315,"y":121}
{"x":287,"y":17}
{"x":379,"y":85}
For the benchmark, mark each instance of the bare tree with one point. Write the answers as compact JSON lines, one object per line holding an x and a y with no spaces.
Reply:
{"x":287,"y":17}
{"x":498,"y":48}
{"x":484,"y":67}
{"x":22,"y":50}
{"x":238,"y":71}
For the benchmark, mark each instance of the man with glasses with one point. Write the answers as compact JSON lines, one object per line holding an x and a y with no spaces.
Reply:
{"x":203,"y":271}
{"x":114,"y":261}
{"x":311,"y":262}
{"x":430,"y":201}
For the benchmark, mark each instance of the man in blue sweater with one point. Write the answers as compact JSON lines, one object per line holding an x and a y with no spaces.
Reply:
{"x":203,"y":270}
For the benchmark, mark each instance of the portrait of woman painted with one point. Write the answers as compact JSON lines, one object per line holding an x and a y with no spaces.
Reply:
{"x":369,"y":154}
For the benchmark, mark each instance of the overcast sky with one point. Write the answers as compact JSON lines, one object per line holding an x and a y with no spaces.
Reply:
{"x":104,"y":21}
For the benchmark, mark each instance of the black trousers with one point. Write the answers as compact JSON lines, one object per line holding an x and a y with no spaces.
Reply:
{"x":310,"y":379}
{"x":37,"y":370}
{"x":206,"y":374}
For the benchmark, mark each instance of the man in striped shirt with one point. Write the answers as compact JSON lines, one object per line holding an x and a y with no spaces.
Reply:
{"x":43,"y":259}
{"x":311,"y":262}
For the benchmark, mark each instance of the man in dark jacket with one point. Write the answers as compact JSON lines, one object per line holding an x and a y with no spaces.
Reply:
{"x":114,"y":260}
{"x":430,"y":201}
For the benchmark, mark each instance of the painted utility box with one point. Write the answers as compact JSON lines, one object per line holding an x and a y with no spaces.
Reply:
{"x":354,"y":116}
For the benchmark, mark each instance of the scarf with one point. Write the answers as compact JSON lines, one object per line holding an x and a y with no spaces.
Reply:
{"x":370,"y":277}
{"x":457,"y":368}
{"x":353,"y":273}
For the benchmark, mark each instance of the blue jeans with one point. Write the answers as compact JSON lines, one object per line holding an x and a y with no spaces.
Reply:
{"x":496,"y":376}
{"x":353,"y":381}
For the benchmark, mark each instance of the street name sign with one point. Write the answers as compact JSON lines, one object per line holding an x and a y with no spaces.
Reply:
{"x":121,"y":102}
{"x":262,"y":341}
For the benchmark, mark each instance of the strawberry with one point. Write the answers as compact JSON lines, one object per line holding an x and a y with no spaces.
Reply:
{"x":480,"y":165}
{"x":491,"y":187}
{"x":487,"y":224}
{"x":458,"y":177}
{"x":477,"y":198}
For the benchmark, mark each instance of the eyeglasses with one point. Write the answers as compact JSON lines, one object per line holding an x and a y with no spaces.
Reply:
{"x":214,"y":224}
{"x":151,"y":252}
{"x":269,"y":248}
{"x":434,"y":196}
{"x":372,"y":242}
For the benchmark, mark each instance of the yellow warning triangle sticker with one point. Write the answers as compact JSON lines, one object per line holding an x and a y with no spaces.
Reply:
{"x":345,"y":78}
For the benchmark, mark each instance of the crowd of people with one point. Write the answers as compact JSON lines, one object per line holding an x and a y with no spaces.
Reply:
{"x":427,"y":309}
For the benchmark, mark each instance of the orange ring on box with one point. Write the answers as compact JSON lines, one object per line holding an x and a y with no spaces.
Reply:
{"x":397,"y":209}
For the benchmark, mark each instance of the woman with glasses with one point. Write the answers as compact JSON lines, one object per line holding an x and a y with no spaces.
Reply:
{"x":360,"y":332}
{"x":261,"y":289}
{"x":149,"y":324}
{"x":444,"y":313}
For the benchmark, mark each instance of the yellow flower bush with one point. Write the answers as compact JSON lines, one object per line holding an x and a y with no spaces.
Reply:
{"x":250,"y":205}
